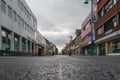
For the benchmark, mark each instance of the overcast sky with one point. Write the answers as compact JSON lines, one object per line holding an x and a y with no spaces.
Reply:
{"x":58,"y":19}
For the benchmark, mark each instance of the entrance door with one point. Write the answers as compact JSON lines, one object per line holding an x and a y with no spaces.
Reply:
{"x":39,"y":52}
{"x":102,"y":49}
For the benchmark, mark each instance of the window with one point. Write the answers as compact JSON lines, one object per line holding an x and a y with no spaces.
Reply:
{"x":34,"y":23}
{"x":98,"y":0}
{"x":27,"y":14}
{"x":3,"y":36}
{"x":115,"y":1}
{"x":22,"y":23}
{"x":3,"y":6}
{"x":16,"y":43}
{"x":25,"y":25}
{"x":108,"y":5}
{"x":113,"y":46}
{"x":110,"y":24}
{"x":9,"y":11}
{"x":14,"y":16}
{"x":22,"y":6}
{"x":25,"y":10}
{"x":100,"y":13}
{"x":19,"y":21}
{"x":100,"y":30}
{"x":87,"y":25}
{"x":119,"y":19}
{"x":18,"y":3}
{"x":6,"y":36}
{"x":86,"y":37}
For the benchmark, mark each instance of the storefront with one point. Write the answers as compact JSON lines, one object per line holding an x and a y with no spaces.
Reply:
{"x":16,"y":43}
{"x":23,"y":45}
{"x":77,"y":51}
{"x":102,"y":49}
{"x":6,"y":39}
{"x":114,"y":46}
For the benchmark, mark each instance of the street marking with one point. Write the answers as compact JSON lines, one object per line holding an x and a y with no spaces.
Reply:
{"x":60,"y":70}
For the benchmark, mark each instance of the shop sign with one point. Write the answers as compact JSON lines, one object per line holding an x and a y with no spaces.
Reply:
{"x":108,"y":32}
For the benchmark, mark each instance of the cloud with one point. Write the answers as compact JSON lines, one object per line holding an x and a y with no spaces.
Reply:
{"x":58,"y":19}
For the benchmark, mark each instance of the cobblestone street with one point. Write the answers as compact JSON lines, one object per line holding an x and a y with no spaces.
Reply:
{"x":60,"y":68}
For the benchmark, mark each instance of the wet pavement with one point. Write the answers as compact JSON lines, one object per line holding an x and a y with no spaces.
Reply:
{"x":60,"y":68}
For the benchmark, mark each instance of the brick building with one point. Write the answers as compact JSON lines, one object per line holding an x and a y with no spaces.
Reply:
{"x":107,"y":28}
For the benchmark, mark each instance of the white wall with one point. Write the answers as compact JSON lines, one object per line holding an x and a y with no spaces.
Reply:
{"x":11,"y":25}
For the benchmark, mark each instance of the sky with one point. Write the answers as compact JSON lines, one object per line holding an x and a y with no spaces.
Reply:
{"x":58,"y":19}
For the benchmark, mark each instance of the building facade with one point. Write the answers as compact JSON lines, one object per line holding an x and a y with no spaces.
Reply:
{"x":86,"y":37}
{"x":108,"y":27}
{"x":40,"y":43}
{"x":18,"y":26}
{"x":77,"y":42}
{"x":50,"y":48}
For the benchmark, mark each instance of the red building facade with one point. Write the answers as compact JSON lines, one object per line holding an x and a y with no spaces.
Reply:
{"x":107,"y":28}
{"x":85,"y":36}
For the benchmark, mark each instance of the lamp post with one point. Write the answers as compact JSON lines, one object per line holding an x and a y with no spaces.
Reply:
{"x":93,"y":20}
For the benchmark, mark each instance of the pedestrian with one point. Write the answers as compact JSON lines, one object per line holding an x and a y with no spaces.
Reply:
{"x":52,"y":53}
{"x":8,"y":51}
{"x":70,"y":53}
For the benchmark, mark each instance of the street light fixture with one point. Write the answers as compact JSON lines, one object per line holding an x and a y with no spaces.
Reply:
{"x":93,"y":20}
{"x":86,"y":2}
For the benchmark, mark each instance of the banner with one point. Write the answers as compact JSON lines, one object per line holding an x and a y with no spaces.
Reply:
{"x":94,"y":11}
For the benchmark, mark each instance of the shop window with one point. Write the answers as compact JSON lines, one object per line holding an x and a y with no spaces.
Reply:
{"x":23,"y":46}
{"x":114,"y":46}
{"x":3,"y":37}
{"x":16,"y":44}
{"x":5,"y":40}
{"x":110,"y":47}
{"x":118,"y":45}
{"x":102,"y":49}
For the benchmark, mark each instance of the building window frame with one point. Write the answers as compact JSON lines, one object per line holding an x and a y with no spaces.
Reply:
{"x":100,"y":30}
{"x":108,"y":5}
{"x":3,"y":6}
{"x":14,"y":16}
{"x":9,"y":11}
{"x":110,"y":24}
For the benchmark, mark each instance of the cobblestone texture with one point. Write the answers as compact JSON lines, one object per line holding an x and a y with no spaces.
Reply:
{"x":60,"y":68}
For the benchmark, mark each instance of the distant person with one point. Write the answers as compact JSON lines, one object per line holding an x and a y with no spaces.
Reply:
{"x":70,"y":53}
{"x":52,"y":53}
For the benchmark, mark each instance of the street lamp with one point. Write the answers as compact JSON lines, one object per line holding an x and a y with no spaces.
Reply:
{"x":86,"y":2}
{"x":93,"y":20}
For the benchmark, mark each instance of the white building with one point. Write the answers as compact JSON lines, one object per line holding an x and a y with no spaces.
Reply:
{"x":40,"y":43}
{"x":17,"y":26}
